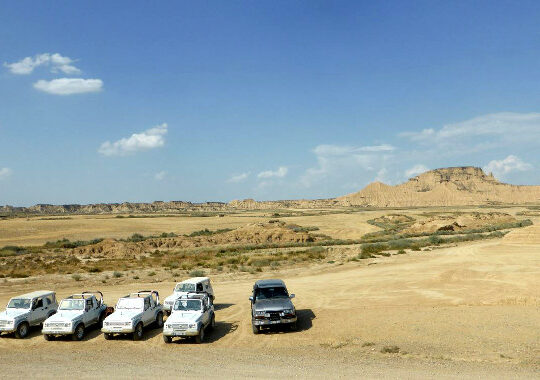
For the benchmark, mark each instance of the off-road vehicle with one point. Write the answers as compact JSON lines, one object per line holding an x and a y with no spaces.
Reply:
{"x":271,"y":305}
{"x":197,"y":285}
{"x":27,"y":310}
{"x":191,"y":316}
{"x":75,"y":314}
{"x":133,"y":313}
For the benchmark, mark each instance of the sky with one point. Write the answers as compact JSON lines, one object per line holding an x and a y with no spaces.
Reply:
{"x":219,"y":100}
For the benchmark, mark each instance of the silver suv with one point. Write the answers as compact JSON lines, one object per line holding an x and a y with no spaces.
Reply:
{"x":271,"y":305}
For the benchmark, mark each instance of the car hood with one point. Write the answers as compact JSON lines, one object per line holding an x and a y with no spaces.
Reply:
{"x":123,"y":315}
{"x":13,"y":313}
{"x":65,"y":316}
{"x":274,"y":304}
{"x":184,"y":316}
{"x":174,"y":296}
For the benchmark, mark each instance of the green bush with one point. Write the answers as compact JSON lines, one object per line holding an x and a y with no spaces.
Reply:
{"x":197,"y":273}
{"x":117,"y":274}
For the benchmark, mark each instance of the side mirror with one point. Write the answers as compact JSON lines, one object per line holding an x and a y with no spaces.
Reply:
{"x":291,"y":296}
{"x":251,"y":298}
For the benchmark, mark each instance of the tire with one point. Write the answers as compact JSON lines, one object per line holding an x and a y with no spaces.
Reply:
{"x":256,"y":329}
{"x":22,"y":330}
{"x":159,"y":320}
{"x":200,"y":338}
{"x":48,"y":337}
{"x":167,"y":339}
{"x":78,"y":335}
{"x":138,"y":333}
{"x":107,"y":336}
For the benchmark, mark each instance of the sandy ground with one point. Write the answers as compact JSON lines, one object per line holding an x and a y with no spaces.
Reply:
{"x":469,"y":311}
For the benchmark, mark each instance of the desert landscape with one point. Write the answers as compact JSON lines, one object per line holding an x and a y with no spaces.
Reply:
{"x":444,"y":286}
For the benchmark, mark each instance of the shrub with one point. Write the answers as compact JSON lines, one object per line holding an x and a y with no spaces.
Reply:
{"x":197,"y":273}
{"x":152,"y":274}
{"x":76,"y":277}
{"x":390,"y":349}
{"x":117,"y":274}
{"x":401,"y":252}
{"x":94,"y":270}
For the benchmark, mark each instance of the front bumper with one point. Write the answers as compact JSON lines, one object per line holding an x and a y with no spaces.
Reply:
{"x":117,"y":329}
{"x":167,"y":307}
{"x":7,"y":329}
{"x":271,"y":322}
{"x":56,"y":331}
{"x":180,"y":332}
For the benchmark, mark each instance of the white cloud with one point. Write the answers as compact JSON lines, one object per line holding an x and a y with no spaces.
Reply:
{"x":510,"y":164}
{"x":346,"y":164}
{"x":69,"y":86}
{"x":415,"y":170}
{"x":160,"y":176}
{"x":239,"y":178}
{"x":150,"y":139}
{"x":5,"y":172}
{"x":279,"y":173}
{"x":56,"y":62}
{"x":504,"y":126}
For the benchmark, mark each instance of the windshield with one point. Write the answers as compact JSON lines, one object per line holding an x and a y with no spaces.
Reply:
{"x":130,"y":303}
{"x":19,"y":303}
{"x":185,"y":287}
{"x":187,"y":305}
{"x":71,"y":304}
{"x":264,"y":293}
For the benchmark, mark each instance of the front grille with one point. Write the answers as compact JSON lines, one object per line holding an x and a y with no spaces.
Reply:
{"x":179,"y":326}
{"x":5,"y":323}
{"x":56,"y":324}
{"x":274,"y":316}
{"x":118,"y":324}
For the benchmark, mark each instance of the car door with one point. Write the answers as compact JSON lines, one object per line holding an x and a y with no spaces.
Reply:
{"x":148,"y":311}
{"x":38,"y":313}
{"x":206,"y":312}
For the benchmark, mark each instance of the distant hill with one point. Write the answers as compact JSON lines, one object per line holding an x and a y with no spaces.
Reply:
{"x":457,"y":186}
{"x":443,"y":187}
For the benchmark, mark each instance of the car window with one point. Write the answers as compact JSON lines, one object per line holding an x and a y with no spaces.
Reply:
{"x":187,"y":305}
{"x":39,"y":303}
{"x":276,"y":292}
{"x":199,"y":287}
{"x":89,"y":304}
{"x":185,"y":287}
{"x":47,"y":301}
{"x":19,"y":303}
{"x":146,"y":303}
{"x":71,"y":304}
{"x":130,"y":303}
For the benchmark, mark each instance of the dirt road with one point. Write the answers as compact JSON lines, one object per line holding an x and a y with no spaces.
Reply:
{"x":467,"y":311}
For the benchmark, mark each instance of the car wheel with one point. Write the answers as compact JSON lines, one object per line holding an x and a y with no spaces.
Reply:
{"x":167,"y":339}
{"x":159,"y":320}
{"x":200,"y":338}
{"x":22,"y":330}
{"x":47,"y":337}
{"x":79,"y":332}
{"x":213,"y":322}
{"x":138,"y":333}
{"x":256,"y":329}
{"x":107,"y":336}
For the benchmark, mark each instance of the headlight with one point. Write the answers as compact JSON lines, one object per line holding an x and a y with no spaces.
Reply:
{"x":260,"y":313}
{"x":288,"y":311}
{"x":192,"y":325}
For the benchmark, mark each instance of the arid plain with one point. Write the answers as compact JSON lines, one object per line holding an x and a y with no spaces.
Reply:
{"x":448,"y":309}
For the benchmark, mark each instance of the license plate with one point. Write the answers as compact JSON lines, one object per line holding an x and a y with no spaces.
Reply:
{"x":179,"y":333}
{"x":275,"y":322}
{"x":55,"y":332}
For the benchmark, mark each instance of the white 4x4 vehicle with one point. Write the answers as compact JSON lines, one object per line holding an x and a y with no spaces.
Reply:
{"x":134,"y":312}
{"x":75,"y":314}
{"x":196,"y":285}
{"x":190,"y":316}
{"x":27,"y":310}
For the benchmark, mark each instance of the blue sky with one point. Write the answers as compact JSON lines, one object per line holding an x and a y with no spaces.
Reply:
{"x":221,"y":100}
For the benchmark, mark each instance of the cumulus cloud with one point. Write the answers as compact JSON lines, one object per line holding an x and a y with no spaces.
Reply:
{"x":279,"y":173}
{"x":160,"y":176}
{"x":150,"y":139}
{"x":56,"y":63}
{"x":239,"y":178}
{"x":69,"y":86}
{"x":415,"y":170}
{"x":5,"y":172}
{"x":500,"y":168}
